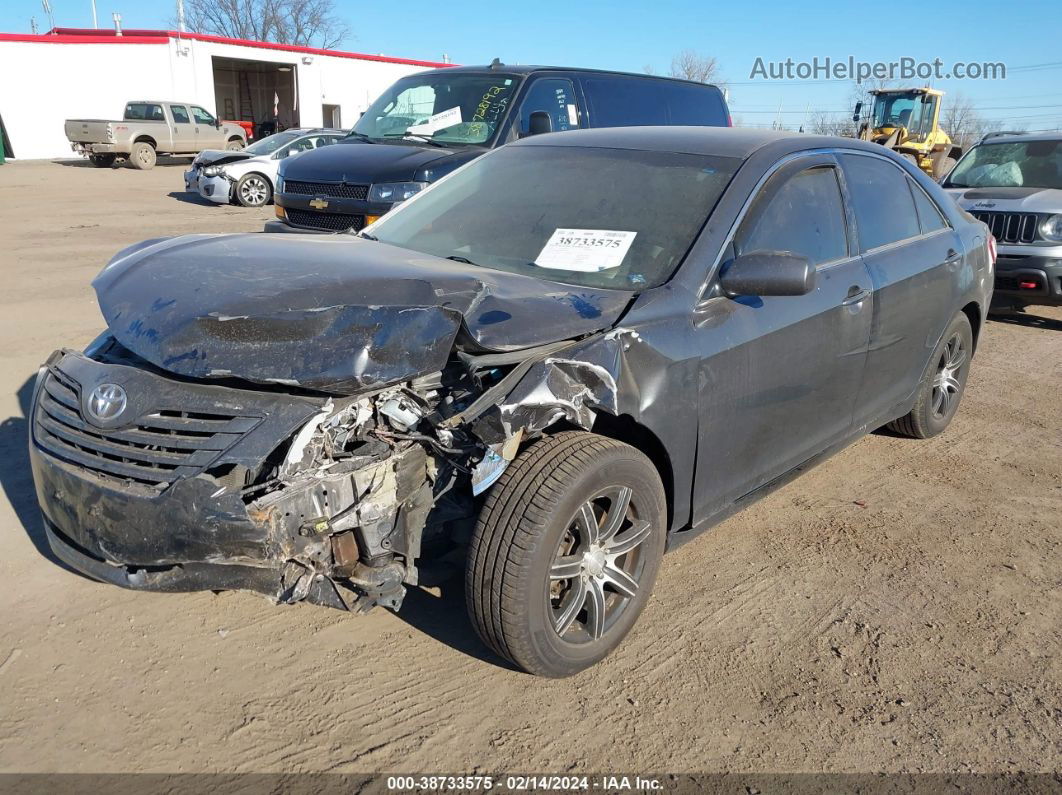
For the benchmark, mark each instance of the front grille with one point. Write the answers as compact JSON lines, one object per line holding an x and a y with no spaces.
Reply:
{"x":1010,"y":227}
{"x":359,"y":192}
{"x":333,"y":222}
{"x":156,"y":450}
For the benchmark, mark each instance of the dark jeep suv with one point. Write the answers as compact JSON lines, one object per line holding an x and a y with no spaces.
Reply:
{"x":428,"y":124}
{"x":549,"y":366}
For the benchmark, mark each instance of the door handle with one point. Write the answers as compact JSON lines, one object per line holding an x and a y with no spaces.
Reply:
{"x":953,"y":259}
{"x":855,"y":295}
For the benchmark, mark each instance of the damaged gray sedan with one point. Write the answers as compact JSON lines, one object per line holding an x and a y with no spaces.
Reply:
{"x":569,"y":355}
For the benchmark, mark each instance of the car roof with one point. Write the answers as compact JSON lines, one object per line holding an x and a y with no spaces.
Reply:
{"x":1017,"y":137}
{"x":717,"y":141}
{"x":525,"y":69}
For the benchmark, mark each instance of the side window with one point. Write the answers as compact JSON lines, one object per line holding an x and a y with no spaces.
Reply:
{"x":140,"y":111}
{"x":201,"y":116}
{"x":805,"y":216}
{"x":620,"y":102}
{"x":929,"y":215}
{"x":695,"y":105}
{"x":884,"y":209}
{"x":180,"y":114}
{"x":555,"y":96}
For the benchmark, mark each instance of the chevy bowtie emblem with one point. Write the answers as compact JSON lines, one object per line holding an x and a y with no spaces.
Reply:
{"x":318,"y":203}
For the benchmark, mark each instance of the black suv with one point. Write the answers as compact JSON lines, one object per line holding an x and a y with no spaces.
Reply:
{"x":428,"y":124}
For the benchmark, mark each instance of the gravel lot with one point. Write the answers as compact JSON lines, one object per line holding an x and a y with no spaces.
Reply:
{"x":897,"y":609}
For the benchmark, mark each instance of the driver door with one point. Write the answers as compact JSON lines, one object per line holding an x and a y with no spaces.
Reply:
{"x":780,"y":374}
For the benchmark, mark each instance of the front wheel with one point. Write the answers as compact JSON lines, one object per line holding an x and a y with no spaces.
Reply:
{"x":253,"y":190}
{"x":235,"y":145}
{"x":943,"y":384}
{"x":565,"y":552}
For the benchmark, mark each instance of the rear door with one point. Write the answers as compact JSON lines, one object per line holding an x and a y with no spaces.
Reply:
{"x":912,"y":255}
{"x":184,"y":139}
{"x":780,"y":376}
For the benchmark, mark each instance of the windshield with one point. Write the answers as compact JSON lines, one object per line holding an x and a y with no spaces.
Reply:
{"x":1026,"y":164}
{"x":457,"y":108}
{"x":898,"y":110}
{"x":271,"y":143}
{"x":611,"y":218}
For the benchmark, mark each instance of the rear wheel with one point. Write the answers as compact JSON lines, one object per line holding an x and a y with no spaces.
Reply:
{"x":943,"y":385}
{"x":253,"y":190}
{"x":235,"y":145}
{"x":102,"y":160}
{"x":565,"y":552}
{"x":142,"y":156}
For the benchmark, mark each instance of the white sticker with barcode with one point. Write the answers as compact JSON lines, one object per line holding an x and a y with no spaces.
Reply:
{"x":585,"y":250}
{"x":440,"y":121}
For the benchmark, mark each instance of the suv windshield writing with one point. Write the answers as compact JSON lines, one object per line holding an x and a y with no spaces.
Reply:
{"x":1026,"y":164}
{"x":609,"y":218}
{"x":448,"y":108}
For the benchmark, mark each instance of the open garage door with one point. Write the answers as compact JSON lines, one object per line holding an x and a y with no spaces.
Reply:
{"x":261,"y":92}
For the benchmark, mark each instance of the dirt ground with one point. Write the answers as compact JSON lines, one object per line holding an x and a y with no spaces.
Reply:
{"x":896,"y":609}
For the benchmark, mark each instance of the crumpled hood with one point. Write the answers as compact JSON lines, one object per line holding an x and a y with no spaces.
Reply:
{"x":339,"y":314}
{"x":1031,"y":200}
{"x":211,"y":157}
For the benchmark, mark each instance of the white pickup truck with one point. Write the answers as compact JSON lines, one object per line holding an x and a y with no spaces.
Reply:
{"x":149,"y":128}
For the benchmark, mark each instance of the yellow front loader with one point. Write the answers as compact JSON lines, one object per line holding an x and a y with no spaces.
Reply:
{"x":906,"y":120}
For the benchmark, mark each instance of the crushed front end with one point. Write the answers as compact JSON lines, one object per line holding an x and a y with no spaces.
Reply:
{"x":193,"y":485}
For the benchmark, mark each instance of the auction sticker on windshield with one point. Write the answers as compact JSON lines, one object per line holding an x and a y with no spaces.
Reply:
{"x":440,"y":121}
{"x":585,"y":250}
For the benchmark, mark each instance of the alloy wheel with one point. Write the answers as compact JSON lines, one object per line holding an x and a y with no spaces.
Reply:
{"x":947,"y":384}
{"x":597,"y":566}
{"x":253,"y":191}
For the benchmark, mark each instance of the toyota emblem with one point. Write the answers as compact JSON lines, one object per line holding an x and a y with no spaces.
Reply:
{"x":106,"y":402}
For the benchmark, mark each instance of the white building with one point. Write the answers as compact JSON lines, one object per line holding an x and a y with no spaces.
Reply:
{"x":73,"y":73}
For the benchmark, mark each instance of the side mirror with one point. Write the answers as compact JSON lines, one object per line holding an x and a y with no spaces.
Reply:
{"x":857,"y":112}
{"x":217,"y":124}
{"x":768,"y":273}
{"x":540,"y":122}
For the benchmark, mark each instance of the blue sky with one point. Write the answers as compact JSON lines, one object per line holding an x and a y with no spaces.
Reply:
{"x":629,"y":35}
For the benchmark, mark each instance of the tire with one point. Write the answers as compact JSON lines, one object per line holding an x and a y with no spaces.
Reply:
{"x":103,"y":160}
{"x":943,"y":384}
{"x":534,"y":524}
{"x":235,"y":145}
{"x":944,"y":167}
{"x":253,"y":190}
{"x":142,"y":156}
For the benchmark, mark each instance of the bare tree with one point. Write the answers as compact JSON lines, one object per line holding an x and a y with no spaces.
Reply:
{"x":961,"y":121}
{"x":690,"y":65}
{"x":824,"y":123}
{"x":307,"y":23}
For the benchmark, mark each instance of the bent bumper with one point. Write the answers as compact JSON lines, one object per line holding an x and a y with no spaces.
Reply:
{"x":215,"y":189}
{"x":188,"y":577}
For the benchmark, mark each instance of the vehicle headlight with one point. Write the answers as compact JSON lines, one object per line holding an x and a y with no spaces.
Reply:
{"x":395,"y":191}
{"x":212,"y":171}
{"x":1052,"y":227}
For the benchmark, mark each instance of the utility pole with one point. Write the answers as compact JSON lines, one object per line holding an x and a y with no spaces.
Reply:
{"x":180,"y":15}
{"x":33,"y":25}
{"x":95,"y":23}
